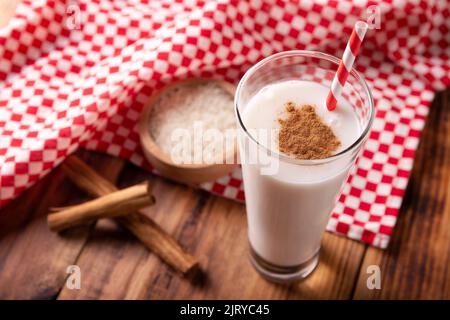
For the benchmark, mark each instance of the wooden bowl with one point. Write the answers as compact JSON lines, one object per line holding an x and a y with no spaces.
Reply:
{"x":161,"y":161}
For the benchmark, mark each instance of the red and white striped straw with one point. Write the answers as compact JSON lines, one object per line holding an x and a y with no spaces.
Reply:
{"x":350,"y":53}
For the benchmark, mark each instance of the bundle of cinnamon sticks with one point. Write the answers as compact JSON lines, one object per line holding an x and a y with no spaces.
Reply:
{"x":122,"y":206}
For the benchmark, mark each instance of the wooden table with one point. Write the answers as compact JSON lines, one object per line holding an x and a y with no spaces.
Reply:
{"x":113,"y":264}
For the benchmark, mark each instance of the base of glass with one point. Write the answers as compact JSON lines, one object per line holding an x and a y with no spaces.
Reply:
{"x":282,"y":274}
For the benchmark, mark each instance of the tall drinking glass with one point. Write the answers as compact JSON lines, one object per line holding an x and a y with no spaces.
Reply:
{"x":289,"y":201}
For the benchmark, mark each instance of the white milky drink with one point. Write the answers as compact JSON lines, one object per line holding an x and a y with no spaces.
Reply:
{"x":288,"y":210}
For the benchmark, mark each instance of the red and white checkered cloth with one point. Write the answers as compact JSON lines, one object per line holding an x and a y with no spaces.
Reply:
{"x":62,"y":88}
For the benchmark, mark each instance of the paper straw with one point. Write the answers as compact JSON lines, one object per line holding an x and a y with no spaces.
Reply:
{"x":350,"y":53}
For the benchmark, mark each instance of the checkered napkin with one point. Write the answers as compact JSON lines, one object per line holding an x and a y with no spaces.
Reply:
{"x":76,"y":74}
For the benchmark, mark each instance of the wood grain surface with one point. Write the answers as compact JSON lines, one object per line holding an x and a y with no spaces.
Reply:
{"x":33,"y":260}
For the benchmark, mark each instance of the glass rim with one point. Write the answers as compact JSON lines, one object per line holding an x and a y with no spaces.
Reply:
{"x":314,"y":54}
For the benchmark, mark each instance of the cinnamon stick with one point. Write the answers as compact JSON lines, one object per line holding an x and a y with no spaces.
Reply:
{"x":108,"y":206}
{"x":142,"y":226}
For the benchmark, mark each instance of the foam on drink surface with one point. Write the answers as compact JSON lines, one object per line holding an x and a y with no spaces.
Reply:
{"x":267,"y":106}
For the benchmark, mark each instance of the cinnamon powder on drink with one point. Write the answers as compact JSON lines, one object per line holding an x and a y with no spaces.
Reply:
{"x":304,"y":135}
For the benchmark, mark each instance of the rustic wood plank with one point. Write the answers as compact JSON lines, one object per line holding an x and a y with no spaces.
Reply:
{"x":222,"y":244}
{"x":19,"y":212}
{"x":33,"y":260}
{"x":416,"y":264}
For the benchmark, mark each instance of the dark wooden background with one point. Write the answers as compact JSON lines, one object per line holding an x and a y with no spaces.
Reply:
{"x":113,"y":264}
